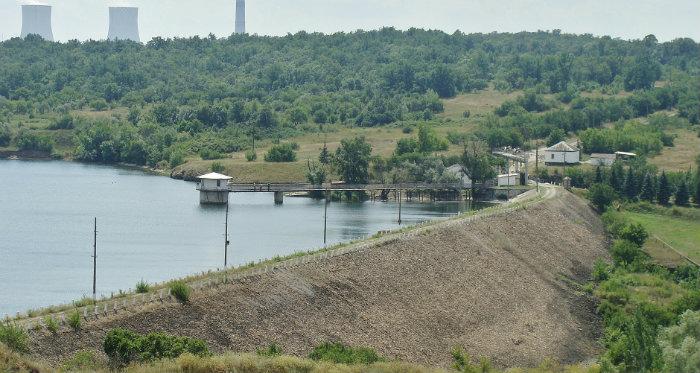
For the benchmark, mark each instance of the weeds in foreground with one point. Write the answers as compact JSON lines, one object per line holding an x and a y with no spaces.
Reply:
{"x":142,"y":287}
{"x":74,"y":320}
{"x":14,"y":337}
{"x":51,"y":324}
{"x":180,"y":291}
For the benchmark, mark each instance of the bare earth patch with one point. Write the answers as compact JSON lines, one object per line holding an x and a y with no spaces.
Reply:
{"x":501,"y":287}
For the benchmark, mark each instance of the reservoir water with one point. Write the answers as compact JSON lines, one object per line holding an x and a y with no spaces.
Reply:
{"x":152,"y":228}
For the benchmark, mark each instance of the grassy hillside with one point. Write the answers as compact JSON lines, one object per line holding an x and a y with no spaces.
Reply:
{"x":682,"y":234}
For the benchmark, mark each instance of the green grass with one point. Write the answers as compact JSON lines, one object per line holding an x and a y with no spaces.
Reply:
{"x":681,"y":234}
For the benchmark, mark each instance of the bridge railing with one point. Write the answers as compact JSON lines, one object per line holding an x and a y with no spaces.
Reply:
{"x":302,"y":187}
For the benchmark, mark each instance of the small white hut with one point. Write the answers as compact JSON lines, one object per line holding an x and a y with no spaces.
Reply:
{"x":562,"y":153}
{"x":213,"y":188}
{"x":511,"y":179}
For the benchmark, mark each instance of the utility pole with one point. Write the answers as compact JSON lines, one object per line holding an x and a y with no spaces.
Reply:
{"x":226,"y":241}
{"x":537,"y":165}
{"x":325,"y":217}
{"x":94,"y":262}
{"x":399,"y":192}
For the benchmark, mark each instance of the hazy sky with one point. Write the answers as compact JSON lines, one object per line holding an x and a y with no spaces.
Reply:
{"x":626,"y":19}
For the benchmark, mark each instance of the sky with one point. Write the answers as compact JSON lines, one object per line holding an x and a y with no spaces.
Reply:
{"x":625,"y":19}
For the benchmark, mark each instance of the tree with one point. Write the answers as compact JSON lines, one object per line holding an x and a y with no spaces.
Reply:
{"x":325,"y":156}
{"x":352,"y":160}
{"x":598,"y":175}
{"x":680,"y":344}
{"x":664,"y":193}
{"x":602,"y":196}
{"x":428,"y":140}
{"x":697,"y":188}
{"x":682,"y":193}
{"x":635,"y":233}
{"x":630,"y":186}
{"x":477,"y":164}
{"x":281,"y":153}
{"x":647,"y":193}
{"x":616,"y":177}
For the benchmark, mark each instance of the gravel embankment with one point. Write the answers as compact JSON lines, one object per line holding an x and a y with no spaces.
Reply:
{"x":500,"y":287}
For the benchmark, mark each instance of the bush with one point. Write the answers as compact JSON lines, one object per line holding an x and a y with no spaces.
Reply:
{"x":680,"y":344}
{"x":5,"y":135}
{"x":33,"y":141}
{"x":65,"y":122}
{"x":99,"y":104}
{"x":84,"y":361}
{"x":208,"y":154}
{"x":51,"y":324}
{"x":142,"y":287}
{"x":177,"y":158}
{"x":340,"y":354}
{"x":634,"y":233}
{"x":74,"y":320}
{"x":271,"y":351}
{"x":281,"y":153}
{"x":602,"y":196}
{"x":124,"y":346}
{"x":217,"y":167}
{"x":251,"y":155}
{"x":601,"y":270}
{"x":14,"y":337}
{"x":625,"y":252}
{"x":180,"y":291}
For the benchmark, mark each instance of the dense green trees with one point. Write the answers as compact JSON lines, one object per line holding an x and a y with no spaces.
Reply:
{"x":351,"y":160}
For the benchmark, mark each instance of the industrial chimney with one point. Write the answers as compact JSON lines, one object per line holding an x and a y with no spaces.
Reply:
{"x":36,"y":19}
{"x":240,"y":16}
{"x":124,"y":24}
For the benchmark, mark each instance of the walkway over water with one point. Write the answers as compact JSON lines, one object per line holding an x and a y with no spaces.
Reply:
{"x":306,"y":187}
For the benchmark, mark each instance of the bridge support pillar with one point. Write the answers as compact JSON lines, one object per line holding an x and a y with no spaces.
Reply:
{"x":279,"y":198}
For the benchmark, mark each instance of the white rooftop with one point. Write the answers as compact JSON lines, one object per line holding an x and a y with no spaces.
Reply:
{"x":214,"y":176}
{"x":562,"y":147}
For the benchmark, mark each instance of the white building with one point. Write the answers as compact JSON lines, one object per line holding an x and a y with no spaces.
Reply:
{"x":602,"y":159}
{"x":240,"y":17}
{"x":512,"y":179}
{"x":458,"y":172}
{"x":562,"y":153}
{"x":213,"y":188}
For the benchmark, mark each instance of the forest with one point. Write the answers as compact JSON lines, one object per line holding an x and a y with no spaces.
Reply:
{"x":208,"y":97}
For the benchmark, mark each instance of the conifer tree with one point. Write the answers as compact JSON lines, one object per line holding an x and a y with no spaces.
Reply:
{"x":682,"y":194}
{"x":630,"y":186}
{"x":664,"y":193}
{"x":616,"y":177}
{"x":325,"y":156}
{"x":697,"y":188}
{"x":647,"y":189}
{"x":598,"y":175}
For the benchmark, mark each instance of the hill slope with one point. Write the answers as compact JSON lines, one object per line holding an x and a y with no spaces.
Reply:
{"x":498,"y":286}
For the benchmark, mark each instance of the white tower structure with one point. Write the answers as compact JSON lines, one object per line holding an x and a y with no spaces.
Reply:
{"x":240,"y":16}
{"x":124,"y":24}
{"x":36,"y":19}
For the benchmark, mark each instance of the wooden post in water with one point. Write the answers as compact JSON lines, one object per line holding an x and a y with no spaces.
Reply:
{"x":325,"y":217}
{"x":226,"y":241}
{"x":94,"y":262}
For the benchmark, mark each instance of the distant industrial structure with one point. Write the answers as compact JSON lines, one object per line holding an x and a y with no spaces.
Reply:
{"x":124,"y":24}
{"x":240,"y":16}
{"x":36,"y":20}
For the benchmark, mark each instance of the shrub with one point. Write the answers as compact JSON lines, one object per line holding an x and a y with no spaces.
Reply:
{"x":602,"y":196}
{"x":217,"y":167}
{"x":51,"y":324}
{"x":177,"y":158}
{"x":84,"y":361}
{"x":406,"y":130}
{"x":634,"y":233}
{"x":65,"y":122}
{"x":340,"y":354}
{"x":680,"y":344}
{"x":5,"y":135}
{"x":180,"y":291}
{"x":74,"y":320}
{"x":271,"y":351}
{"x":98,"y":104}
{"x":625,"y":252}
{"x":124,"y":346}
{"x":281,"y":153}
{"x":33,"y":141}
{"x":601,"y":270}
{"x":14,"y":337}
{"x":251,"y":155}
{"x":208,"y":154}
{"x":142,"y":287}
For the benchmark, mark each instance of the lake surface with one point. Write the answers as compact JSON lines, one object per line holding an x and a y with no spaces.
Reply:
{"x":152,"y":228}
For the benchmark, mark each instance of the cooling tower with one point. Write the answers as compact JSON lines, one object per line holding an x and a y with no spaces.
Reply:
{"x":36,"y":19}
{"x":124,"y":24}
{"x":240,"y":16}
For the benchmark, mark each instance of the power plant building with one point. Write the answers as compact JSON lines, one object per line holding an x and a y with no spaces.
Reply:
{"x":36,"y":20}
{"x":240,"y":16}
{"x":124,"y":24}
